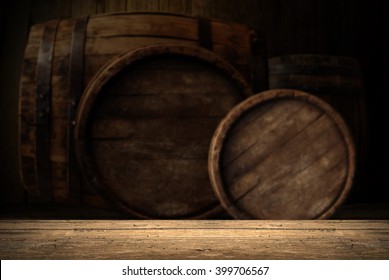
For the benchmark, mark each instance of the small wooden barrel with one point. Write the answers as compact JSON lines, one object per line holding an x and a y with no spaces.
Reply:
{"x":282,"y":154}
{"x":144,"y":126}
{"x":61,"y":58}
{"x":337,"y":80}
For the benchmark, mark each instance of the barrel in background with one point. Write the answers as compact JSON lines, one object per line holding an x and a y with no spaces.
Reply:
{"x":61,"y":58}
{"x":282,"y":154}
{"x":144,"y":126}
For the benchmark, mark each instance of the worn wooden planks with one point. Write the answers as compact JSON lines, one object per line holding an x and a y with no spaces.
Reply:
{"x":144,"y":126}
{"x":91,"y":239}
{"x":282,"y":154}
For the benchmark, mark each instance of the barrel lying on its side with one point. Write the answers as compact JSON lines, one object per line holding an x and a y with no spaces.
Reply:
{"x":61,"y":58}
{"x":144,"y":126}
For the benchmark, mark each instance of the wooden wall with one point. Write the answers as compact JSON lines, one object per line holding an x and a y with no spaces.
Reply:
{"x":343,"y":27}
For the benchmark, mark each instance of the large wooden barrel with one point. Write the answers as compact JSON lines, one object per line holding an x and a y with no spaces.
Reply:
{"x":282,"y":154}
{"x":61,"y":58}
{"x":337,"y":80}
{"x":144,"y":126}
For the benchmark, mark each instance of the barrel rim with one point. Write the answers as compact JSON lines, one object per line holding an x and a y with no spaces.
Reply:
{"x":234,"y":115}
{"x":110,"y":70}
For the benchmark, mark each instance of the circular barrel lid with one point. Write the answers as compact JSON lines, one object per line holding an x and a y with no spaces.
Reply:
{"x":282,"y":154}
{"x":144,"y":126}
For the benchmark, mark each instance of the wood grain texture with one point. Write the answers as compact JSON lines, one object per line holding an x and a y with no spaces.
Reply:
{"x":107,"y":36}
{"x":144,"y":126}
{"x":282,"y":154}
{"x":114,"y":239}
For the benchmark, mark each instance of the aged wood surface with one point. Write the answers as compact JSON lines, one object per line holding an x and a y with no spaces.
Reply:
{"x":144,"y":126}
{"x":282,"y":154}
{"x":114,"y":239}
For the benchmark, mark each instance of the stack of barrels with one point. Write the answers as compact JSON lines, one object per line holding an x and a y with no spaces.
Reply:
{"x":168,"y":116}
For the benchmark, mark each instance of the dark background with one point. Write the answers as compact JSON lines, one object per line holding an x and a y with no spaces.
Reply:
{"x":358,"y":29}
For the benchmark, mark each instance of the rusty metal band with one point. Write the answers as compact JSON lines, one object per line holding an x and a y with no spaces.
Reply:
{"x":43,"y":111}
{"x":205,"y":33}
{"x":76,"y":87}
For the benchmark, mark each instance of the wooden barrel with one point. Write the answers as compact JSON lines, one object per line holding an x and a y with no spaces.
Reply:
{"x":144,"y":126}
{"x":282,"y":154}
{"x":337,"y":80}
{"x":61,"y":58}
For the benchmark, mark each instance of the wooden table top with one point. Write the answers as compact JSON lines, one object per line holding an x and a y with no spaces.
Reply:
{"x":192,"y":239}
